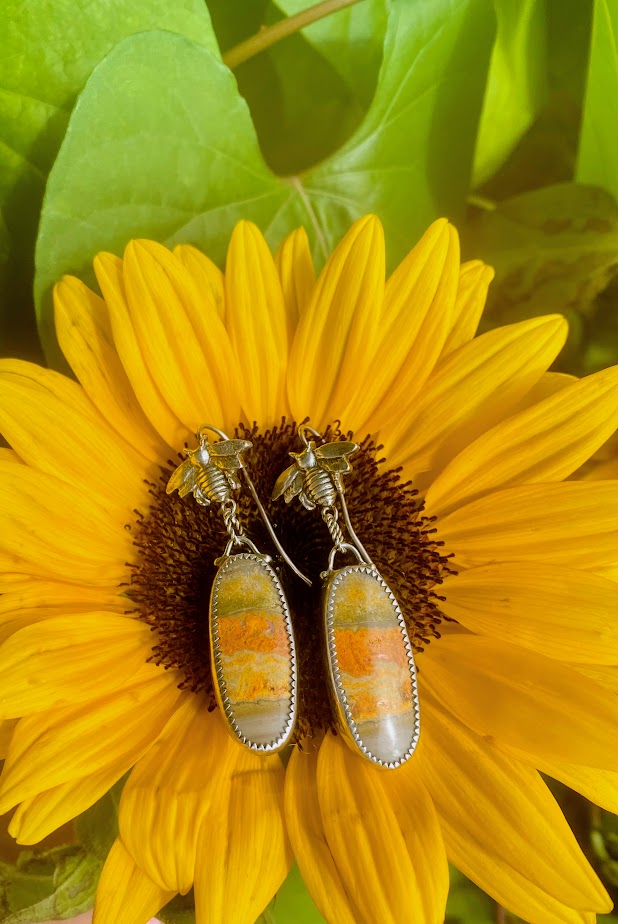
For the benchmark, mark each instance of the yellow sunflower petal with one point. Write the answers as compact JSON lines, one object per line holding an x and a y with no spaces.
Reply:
{"x":125,"y":894}
{"x":525,"y":700}
{"x":6,"y":733}
{"x":207,"y":276}
{"x":606,"y":676}
{"x":182,"y":338}
{"x":8,"y":455}
{"x":505,"y":808}
{"x":605,"y":471}
{"x":110,"y":276}
{"x":244,"y":822}
{"x":419,"y":301}
{"x":295,"y":265}
{"x":609,"y":571}
{"x":508,"y":887}
{"x":337,"y":334}
{"x":85,"y":338}
{"x":26,"y":599}
{"x":257,"y":322}
{"x":549,"y":384}
{"x":472,"y":390}
{"x":311,"y":850}
{"x":171,"y":789}
{"x":55,"y":531}
{"x":54,"y":427}
{"x":598,"y":786}
{"x":23,"y":592}
{"x":474,"y":279}
{"x":38,"y":817}
{"x":559,"y":612}
{"x":66,"y":660}
{"x":420,"y":826}
{"x":570,"y":523}
{"x":365,"y":838}
{"x":51,"y":748}
{"x":546,"y":442}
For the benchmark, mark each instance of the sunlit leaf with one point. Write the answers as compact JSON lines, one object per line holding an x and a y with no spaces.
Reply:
{"x":49,"y":49}
{"x":554,"y":249}
{"x":161,"y":144}
{"x":516,"y":85}
{"x":598,"y":150}
{"x":301,"y":106}
{"x":546,"y":153}
{"x":350,"y":40}
{"x":60,"y":883}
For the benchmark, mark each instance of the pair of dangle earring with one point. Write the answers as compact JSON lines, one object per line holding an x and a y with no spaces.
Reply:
{"x":253,"y":656}
{"x":252,"y":650}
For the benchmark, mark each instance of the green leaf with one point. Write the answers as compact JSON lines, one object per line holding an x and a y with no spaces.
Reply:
{"x":162,"y":145}
{"x":410,"y":160}
{"x":597,"y":161}
{"x":516,"y":85}
{"x":546,"y":153}
{"x":181,"y":910}
{"x":350,"y":40}
{"x":292,"y":903}
{"x":302,"y":108}
{"x":467,"y":904}
{"x":49,"y":49}
{"x":73,"y":886}
{"x":553,"y":249}
{"x":60,"y":883}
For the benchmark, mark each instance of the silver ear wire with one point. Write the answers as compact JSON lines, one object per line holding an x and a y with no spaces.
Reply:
{"x":261,"y":510}
{"x":271,"y":530}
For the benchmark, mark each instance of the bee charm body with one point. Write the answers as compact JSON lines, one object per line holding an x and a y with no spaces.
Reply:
{"x":368,"y":652}
{"x":252,"y":648}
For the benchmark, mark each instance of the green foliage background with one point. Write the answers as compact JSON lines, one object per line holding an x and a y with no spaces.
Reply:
{"x":121,"y":119}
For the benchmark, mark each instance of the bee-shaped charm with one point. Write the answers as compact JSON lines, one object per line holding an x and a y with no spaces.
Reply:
{"x":208,"y":472}
{"x":316,"y":475}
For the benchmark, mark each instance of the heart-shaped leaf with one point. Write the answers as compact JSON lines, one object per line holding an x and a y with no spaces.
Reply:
{"x":162,"y":145}
{"x":49,"y":49}
{"x":597,"y":161}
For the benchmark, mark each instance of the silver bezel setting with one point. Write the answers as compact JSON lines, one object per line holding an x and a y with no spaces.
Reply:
{"x":346,"y":722}
{"x":218,"y":671}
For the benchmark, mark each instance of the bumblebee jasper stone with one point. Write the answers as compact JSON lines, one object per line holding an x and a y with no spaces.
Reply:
{"x":252,"y":649}
{"x":372,"y":665}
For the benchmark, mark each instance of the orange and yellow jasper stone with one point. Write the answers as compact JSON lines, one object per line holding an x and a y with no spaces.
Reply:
{"x":253,"y":656}
{"x":372,"y":666}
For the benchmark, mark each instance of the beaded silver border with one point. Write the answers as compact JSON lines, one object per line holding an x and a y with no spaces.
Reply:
{"x":345,"y":713}
{"x":218,"y":671}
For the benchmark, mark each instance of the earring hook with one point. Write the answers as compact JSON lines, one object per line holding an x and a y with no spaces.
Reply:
{"x":302,"y":429}
{"x":261,"y":509}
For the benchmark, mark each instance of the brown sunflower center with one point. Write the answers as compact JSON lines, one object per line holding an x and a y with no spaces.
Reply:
{"x":177,"y":542}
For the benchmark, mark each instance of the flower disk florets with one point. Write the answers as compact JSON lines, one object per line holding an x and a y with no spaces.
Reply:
{"x":177,"y":542}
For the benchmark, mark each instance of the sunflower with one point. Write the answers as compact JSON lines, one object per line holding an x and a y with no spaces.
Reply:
{"x":504,"y":568}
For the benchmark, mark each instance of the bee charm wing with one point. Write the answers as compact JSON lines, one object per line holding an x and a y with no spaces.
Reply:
{"x":373,"y":677}
{"x":333,"y":457}
{"x":185,"y":478}
{"x":226,"y":454}
{"x":289,"y":483}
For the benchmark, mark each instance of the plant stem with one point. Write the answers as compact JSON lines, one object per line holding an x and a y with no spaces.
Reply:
{"x":269,"y":35}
